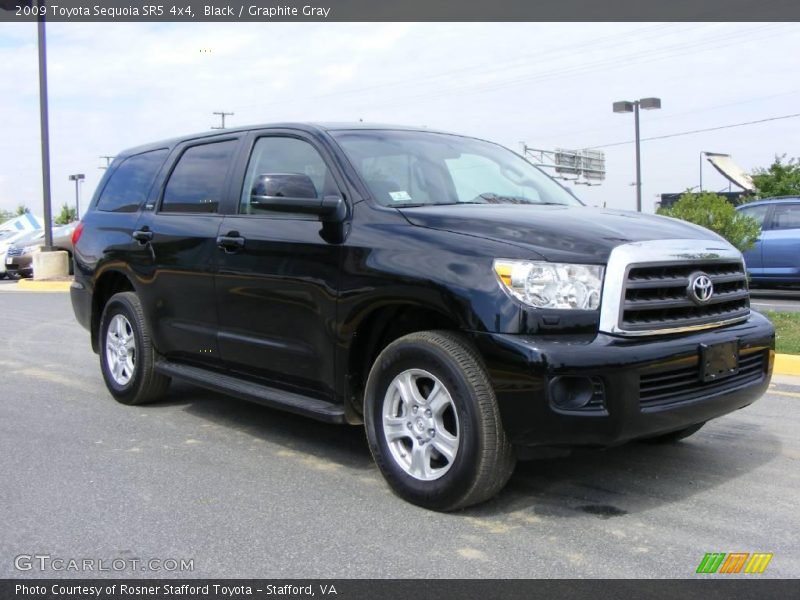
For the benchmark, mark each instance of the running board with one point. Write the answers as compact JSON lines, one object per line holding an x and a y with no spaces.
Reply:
{"x":254,"y":392}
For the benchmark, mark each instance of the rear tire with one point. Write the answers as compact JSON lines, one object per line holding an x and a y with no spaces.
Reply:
{"x":127,"y":357}
{"x":433,"y":424}
{"x":674,"y":436}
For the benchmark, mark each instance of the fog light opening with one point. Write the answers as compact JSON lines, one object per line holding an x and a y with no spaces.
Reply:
{"x":571,"y":393}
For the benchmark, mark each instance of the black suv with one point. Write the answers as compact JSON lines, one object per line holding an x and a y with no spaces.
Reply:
{"x":437,"y":288}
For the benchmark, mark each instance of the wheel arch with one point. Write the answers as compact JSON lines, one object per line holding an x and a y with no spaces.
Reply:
{"x":109,"y":283}
{"x":372,"y":333}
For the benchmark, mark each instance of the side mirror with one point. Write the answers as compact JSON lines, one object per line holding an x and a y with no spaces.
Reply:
{"x":295,"y":193}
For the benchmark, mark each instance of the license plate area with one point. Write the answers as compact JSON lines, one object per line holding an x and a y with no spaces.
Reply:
{"x":718,"y":361}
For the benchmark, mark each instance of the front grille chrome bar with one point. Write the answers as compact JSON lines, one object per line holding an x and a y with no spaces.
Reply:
{"x":675,"y":253}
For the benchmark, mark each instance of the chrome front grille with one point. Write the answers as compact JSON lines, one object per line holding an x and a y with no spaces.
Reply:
{"x":14,"y":251}
{"x":647,"y":291}
{"x":657,"y":297}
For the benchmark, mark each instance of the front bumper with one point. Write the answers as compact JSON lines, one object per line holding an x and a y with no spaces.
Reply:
{"x":19,"y":265}
{"x":646,"y":386}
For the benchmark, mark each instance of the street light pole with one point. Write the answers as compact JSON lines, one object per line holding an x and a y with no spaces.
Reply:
{"x":626,"y":106}
{"x":77,"y":178}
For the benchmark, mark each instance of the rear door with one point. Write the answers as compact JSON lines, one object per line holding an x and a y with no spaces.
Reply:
{"x":178,"y":249}
{"x":753,"y":257}
{"x":277,"y":292}
{"x":781,"y":242}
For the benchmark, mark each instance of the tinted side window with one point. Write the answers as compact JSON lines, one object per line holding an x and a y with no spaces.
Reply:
{"x":786,"y":216}
{"x":284,"y":155}
{"x":130,"y":182}
{"x":197,"y":181}
{"x":758,"y":213}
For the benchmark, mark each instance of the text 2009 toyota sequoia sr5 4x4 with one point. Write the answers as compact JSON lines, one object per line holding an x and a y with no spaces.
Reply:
{"x":437,"y":288}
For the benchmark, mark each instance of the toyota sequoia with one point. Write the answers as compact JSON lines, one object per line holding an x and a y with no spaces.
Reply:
{"x":438,"y":289}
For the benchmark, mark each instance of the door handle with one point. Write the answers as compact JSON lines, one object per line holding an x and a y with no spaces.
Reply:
{"x":230,"y":243}
{"x":142,"y":235}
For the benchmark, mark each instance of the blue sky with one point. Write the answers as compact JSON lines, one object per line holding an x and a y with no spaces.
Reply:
{"x":550,"y":85}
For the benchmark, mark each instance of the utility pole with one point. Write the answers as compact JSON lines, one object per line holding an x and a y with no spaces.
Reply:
{"x":638,"y":159}
{"x":45,"y":129}
{"x":108,"y":161}
{"x":222,"y":115}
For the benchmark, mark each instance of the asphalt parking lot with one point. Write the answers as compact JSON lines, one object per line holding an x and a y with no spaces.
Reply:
{"x":246,"y":491}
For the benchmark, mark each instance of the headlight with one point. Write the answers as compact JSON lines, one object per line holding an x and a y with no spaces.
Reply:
{"x":551,"y":285}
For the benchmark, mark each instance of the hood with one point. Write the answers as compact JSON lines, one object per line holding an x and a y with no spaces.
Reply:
{"x":556,"y":233}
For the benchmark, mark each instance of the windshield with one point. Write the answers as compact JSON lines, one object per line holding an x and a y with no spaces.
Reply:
{"x":417,"y":168}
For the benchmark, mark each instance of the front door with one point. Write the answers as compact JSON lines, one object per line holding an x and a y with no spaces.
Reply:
{"x":753,"y":257}
{"x":277,"y":289}
{"x":780,"y":243}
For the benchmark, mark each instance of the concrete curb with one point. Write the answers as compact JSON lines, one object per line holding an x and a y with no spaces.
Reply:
{"x":32,"y":285}
{"x":786,"y":364}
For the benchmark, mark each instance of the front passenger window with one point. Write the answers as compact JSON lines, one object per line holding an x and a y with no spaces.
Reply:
{"x":297,"y":161}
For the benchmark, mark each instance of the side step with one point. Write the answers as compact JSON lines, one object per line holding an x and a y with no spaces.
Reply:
{"x":254,"y":392}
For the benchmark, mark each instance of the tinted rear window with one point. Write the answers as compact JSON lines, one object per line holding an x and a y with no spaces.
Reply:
{"x":131,"y":181}
{"x":196,"y":183}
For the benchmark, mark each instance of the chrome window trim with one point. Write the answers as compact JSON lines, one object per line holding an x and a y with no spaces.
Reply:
{"x":657,"y":251}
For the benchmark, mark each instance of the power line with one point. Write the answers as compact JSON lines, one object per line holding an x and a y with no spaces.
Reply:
{"x":656,"y":54}
{"x":712,"y":42}
{"x":609,"y":41}
{"x":583,"y":132}
{"x":728,"y":38}
{"x":693,"y":131}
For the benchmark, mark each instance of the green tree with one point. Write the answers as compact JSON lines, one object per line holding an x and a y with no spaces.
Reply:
{"x":67,"y":215}
{"x":22,"y":209}
{"x":781,"y":178}
{"x":717,"y":214}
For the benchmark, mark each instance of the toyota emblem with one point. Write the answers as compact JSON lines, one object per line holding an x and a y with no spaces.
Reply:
{"x":700,"y":288}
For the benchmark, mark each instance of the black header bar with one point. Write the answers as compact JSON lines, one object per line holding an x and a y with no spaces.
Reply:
{"x":710,"y":588}
{"x":264,"y":11}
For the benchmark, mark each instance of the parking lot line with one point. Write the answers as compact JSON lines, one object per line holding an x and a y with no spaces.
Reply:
{"x":779,"y":393}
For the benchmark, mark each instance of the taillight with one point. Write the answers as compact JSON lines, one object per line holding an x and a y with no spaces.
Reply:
{"x":76,"y":234}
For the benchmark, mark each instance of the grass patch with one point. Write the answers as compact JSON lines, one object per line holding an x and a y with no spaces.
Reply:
{"x":787,"y":331}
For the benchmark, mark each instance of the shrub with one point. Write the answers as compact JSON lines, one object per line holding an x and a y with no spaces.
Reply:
{"x":717,"y":214}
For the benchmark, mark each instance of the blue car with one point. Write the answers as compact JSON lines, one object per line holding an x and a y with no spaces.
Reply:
{"x":775,"y":257}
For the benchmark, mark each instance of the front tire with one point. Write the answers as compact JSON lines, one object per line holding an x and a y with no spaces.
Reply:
{"x":433,"y":424}
{"x":127,"y":357}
